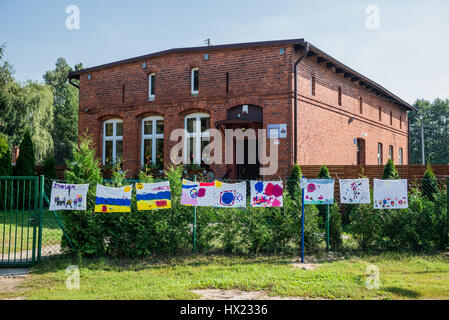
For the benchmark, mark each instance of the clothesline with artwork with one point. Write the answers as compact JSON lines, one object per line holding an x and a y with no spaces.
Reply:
{"x":388,"y":194}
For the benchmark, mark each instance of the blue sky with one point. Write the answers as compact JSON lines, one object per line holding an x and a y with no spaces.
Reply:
{"x":406,"y":54}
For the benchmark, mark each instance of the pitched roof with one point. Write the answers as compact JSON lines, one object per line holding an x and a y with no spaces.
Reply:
{"x":321,"y":56}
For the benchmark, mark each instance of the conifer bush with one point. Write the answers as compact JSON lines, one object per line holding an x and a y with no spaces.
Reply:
{"x":26,"y":162}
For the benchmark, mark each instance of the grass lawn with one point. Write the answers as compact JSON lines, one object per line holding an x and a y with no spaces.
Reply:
{"x":14,"y":226}
{"x":402,"y":276}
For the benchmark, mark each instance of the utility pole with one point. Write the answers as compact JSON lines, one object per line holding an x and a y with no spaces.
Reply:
{"x":423,"y":154}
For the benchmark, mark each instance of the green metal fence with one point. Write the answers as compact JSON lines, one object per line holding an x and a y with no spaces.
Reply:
{"x":20,"y":219}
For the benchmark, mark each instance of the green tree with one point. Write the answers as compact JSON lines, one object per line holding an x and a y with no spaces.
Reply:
{"x":293,"y":184}
{"x":65,"y":130}
{"x":429,"y":184}
{"x":83,"y":227}
{"x":5,"y":157}
{"x":390,"y":172}
{"x":322,"y":209}
{"x":13,"y":112}
{"x":434,"y":116}
{"x":38,"y":99}
{"x":49,"y":172}
{"x":25,"y":164}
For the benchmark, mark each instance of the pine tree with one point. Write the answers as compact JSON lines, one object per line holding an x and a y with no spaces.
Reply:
{"x":5,"y":157}
{"x":293,"y":184}
{"x":26,"y":162}
{"x":429,"y":184}
{"x":322,"y":209}
{"x":390,"y":172}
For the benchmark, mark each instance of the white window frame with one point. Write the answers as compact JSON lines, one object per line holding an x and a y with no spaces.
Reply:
{"x":114,"y":138}
{"x":153,"y":136}
{"x":400,"y":156}
{"x":192,"y":90}
{"x":197,"y":135}
{"x":151,"y":97}
{"x":390,"y":152}
{"x":379,"y":153}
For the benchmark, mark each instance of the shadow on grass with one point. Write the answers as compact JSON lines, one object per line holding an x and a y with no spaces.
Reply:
{"x":54,"y":264}
{"x":402,"y":292}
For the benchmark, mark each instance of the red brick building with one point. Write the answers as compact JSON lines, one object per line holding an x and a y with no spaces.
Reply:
{"x":341,"y":117}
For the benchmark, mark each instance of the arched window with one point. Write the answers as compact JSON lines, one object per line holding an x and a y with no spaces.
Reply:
{"x":112,"y":141}
{"x":152,"y":146}
{"x":197,"y":136}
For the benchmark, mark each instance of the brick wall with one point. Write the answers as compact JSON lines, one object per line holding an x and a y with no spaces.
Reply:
{"x":257,"y":75}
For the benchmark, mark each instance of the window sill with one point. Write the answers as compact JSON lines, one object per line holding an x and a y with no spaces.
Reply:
{"x":194,"y":94}
{"x":151,"y":99}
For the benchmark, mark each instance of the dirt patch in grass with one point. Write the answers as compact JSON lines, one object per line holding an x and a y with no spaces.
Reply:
{"x":9,"y":285}
{"x":215,"y":294}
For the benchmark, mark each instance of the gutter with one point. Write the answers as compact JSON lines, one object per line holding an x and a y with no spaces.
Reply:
{"x":408,"y":134}
{"x":295,"y":108}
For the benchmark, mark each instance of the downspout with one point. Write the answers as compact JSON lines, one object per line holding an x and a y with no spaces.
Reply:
{"x":408,"y":135}
{"x":72,"y":83}
{"x":295,"y":110}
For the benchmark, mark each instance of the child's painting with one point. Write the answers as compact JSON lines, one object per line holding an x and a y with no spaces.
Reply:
{"x":152,"y":196}
{"x":230,"y":195}
{"x":113,"y":199}
{"x":355,"y":191}
{"x":198,"y":194}
{"x":390,"y":194}
{"x":68,"y":196}
{"x":267,"y":193}
{"x":319,"y":191}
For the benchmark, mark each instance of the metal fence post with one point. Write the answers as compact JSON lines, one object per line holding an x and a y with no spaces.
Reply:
{"x":302,"y":229}
{"x":327,"y":227}
{"x":194,"y":223}
{"x":41,"y":210}
{"x":447,"y":211}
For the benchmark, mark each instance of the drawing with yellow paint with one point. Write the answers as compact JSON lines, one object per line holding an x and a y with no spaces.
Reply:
{"x":113,"y":199}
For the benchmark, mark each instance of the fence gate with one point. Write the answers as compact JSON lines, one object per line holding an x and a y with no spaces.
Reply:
{"x":20,"y":219}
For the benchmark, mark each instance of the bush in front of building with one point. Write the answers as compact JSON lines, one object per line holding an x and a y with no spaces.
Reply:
{"x":429,"y":184}
{"x":390,"y":172}
{"x":83,"y":227}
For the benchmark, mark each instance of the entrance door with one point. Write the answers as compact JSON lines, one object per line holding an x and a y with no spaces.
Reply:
{"x":361,"y":154}
{"x":247,"y":171}
{"x":19,"y":220}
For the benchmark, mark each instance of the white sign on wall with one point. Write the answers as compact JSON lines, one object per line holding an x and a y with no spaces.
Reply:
{"x":276,"y":131}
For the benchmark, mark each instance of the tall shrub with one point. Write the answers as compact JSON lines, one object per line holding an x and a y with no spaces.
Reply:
{"x":26,"y":162}
{"x":429,"y":184}
{"x":83,"y":226}
{"x":390,"y":172}
{"x":49,"y":172}
{"x":293,"y":184}
{"x":5,"y":157}
{"x":322,"y":209}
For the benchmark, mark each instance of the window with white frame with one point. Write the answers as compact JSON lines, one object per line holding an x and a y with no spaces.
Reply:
{"x":197,"y":136}
{"x":151,"y":86}
{"x":195,"y":80}
{"x":152,"y":146}
{"x":379,"y":154}
{"x":112,"y":141}
{"x":401,"y":156}
{"x":391,"y":153}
